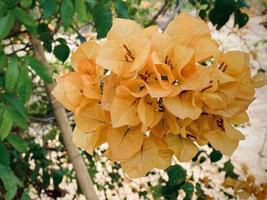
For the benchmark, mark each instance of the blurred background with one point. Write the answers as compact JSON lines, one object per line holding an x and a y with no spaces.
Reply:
{"x":36,"y":41}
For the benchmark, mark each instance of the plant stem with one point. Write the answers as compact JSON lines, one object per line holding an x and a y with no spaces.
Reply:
{"x":78,"y":163}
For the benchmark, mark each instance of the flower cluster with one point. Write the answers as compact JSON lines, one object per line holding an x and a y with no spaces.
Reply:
{"x":151,"y":95}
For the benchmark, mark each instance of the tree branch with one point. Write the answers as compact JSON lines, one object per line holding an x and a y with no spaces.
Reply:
{"x":176,"y":10}
{"x":62,"y":120}
{"x":161,"y":10}
{"x":46,"y":118}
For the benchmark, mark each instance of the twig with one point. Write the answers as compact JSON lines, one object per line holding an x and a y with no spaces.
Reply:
{"x":47,"y":118}
{"x":66,"y":131}
{"x":78,"y":33}
{"x":176,"y":10}
{"x":263,"y":145}
{"x":21,"y":49}
{"x":57,"y":27}
{"x":247,"y":46}
{"x":13,"y":34}
{"x":160,"y":11}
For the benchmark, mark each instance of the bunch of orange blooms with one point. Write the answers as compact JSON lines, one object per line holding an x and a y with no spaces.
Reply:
{"x":151,"y":95}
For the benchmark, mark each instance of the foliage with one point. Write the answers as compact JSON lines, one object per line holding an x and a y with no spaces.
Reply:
{"x":219,"y":11}
{"x":179,"y":180}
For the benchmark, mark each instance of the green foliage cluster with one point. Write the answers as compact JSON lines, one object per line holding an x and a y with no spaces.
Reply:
{"x":219,"y":11}
{"x":180,"y":180}
{"x":23,"y":99}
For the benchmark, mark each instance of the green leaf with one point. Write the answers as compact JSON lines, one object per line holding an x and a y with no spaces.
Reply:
{"x":49,"y":7}
{"x":81,"y":9}
{"x":91,"y":3}
{"x":46,"y":179}
{"x":16,"y":110}
{"x":26,"y":3}
{"x":215,"y":156}
{"x":18,"y":143}
{"x":5,"y":125}
{"x":221,"y":12}
{"x":7,"y":22}
{"x":24,"y":85}
{"x":202,"y":14}
{"x":4,"y":155}
{"x":200,"y":193}
{"x":45,"y":35}
{"x":228,"y":168}
{"x":3,"y":61}
{"x":24,"y":17}
{"x":62,"y":52}
{"x":2,"y":80}
{"x":11,"y":3}
{"x":61,"y":40}
{"x":15,"y":103}
{"x":3,"y":9}
{"x":25,"y":195}
{"x":57,"y":177}
{"x":157,"y":191}
{"x":121,"y":9}
{"x":39,"y":69}
{"x":102,"y":18}
{"x":241,"y":19}
{"x":12,"y":74}
{"x":189,"y":190}
{"x":67,"y":12}
{"x":176,"y":174}
{"x":17,"y":118}
{"x":10,"y":181}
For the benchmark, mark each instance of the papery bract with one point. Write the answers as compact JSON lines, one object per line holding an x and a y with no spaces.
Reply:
{"x":151,"y":95}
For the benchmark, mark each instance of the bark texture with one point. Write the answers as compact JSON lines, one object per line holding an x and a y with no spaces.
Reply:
{"x":79,"y":166}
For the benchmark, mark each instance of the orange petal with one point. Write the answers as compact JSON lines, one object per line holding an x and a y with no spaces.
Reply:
{"x":135,"y":87}
{"x":184,"y":28}
{"x":259,"y":80}
{"x":148,"y":114}
{"x":151,"y":30}
{"x":86,"y":51}
{"x":124,"y":109}
{"x":90,"y":87}
{"x":221,"y":142}
{"x":110,"y":85}
{"x":124,"y":142}
{"x":205,"y":48}
{"x":183,"y":106}
{"x":90,"y":141}
{"x":236,"y":62}
{"x":182,"y":56}
{"x":153,"y":154}
{"x":111,"y":57}
{"x":183,"y":148}
{"x":68,"y":90}
{"x":163,"y":46}
{"x":89,"y":116}
{"x":123,"y":29}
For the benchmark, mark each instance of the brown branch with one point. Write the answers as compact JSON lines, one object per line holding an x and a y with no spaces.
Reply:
{"x":62,"y":120}
{"x":176,"y":10}
{"x":15,"y":33}
{"x":27,"y":47}
{"x":160,"y":11}
{"x":247,"y":46}
{"x":47,"y":118}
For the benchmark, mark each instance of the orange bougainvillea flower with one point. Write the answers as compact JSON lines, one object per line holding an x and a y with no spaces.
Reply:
{"x":151,"y":95}
{"x":126,"y":50}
